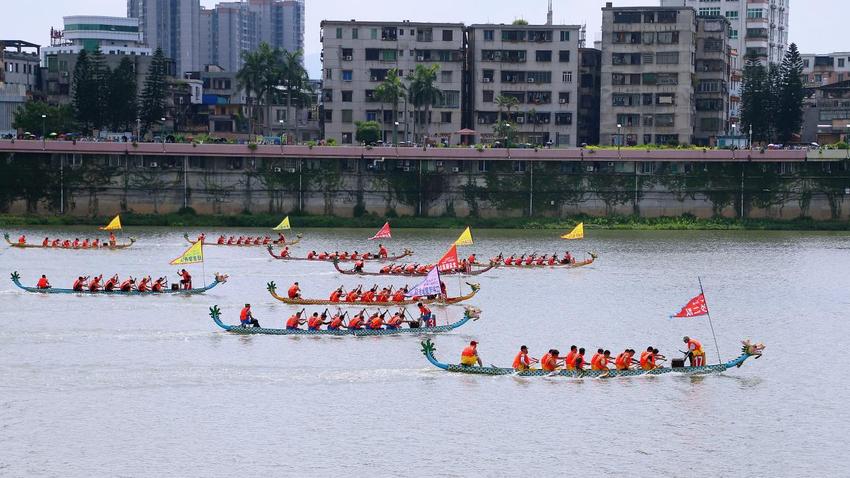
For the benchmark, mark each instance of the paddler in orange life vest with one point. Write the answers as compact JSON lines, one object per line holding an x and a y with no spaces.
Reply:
{"x":369,"y":295}
{"x":426,"y":316}
{"x":469,"y":357}
{"x":399,"y":295}
{"x":396,"y":320}
{"x":386,"y":269}
{"x":601,"y":360}
{"x":336,"y":322}
{"x":382,"y":251}
{"x":22,"y":240}
{"x":294,"y":291}
{"x":383,"y":296}
{"x":294,"y":321}
{"x":695,"y":352}
{"x":94,"y":285}
{"x":186,"y":279}
{"x":43,"y":283}
{"x":358,"y":266}
{"x":570,"y":360}
{"x":143,"y":284}
{"x":647,"y":359}
{"x":79,"y":284}
{"x":316,"y":321}
{"x":522,"y":361}
{"x":376,"y":321}
{"x":112,"y":241}
{"x":578,"y":362}
{"x":549,"y":362}
{"x":284,"y":252}
{"x":356,"y":322}
{"x":127,"y":285}
{"x":111,"y":284}
{"x":336,"y":295}
{"x":45,"y":242}
{"x":246,"y":318}
{"x":221,"y":240}
{"x":281,"y":239}
{"x":159,"y":285}
{"x":55,"y":243}
{"x":85,"y":244}
{"x":624,"y":360}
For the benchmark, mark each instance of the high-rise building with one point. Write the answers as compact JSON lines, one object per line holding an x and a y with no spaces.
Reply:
{"x":174,"y":26}
{"x":19,"y":75}
{"x":648,"y":70}
{"x":589,"y":91}
{"x":232,"y":28}
{"x":825,"y":69}
{"x":356,"y":59}
{"x":538,"y":65}
{"x":756,"y":27}
{"x":713,"y":74}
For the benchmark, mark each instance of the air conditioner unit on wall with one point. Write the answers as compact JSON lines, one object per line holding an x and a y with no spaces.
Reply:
{"x":290,"y":170}
{"x":563,"y":101}
{"x":486,"y":80}
{"x":154,"y":164}
{"x":439,"y":164}
{"x":455,"y":170}
{"x":348,"y":58}
{"x":406,"y":169}
{"x":530,"y":80}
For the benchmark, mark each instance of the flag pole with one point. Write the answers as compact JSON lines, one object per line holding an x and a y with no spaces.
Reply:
{"x":708,"y":314}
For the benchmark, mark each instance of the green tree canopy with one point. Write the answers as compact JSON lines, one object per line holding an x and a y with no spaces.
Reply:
{"x":789,"y":120}
{"x":423,"y":91}
{"x":121,"y":107}
{"x":368,"y":132}
{"x":152,"y":100}
{"x":59,"y":119}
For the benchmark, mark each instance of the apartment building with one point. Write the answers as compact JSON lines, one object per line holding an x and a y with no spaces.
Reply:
{"x":589,"y":91}
{"x":713,"y":74}
{"x":232,"y":28}
{"x":648,"y":70}
{"x":174,"y":26}
{"x":19,"y":76}
{"x":357,"y":55}
{"x":538,"y":65}
{"x":821,"y":70}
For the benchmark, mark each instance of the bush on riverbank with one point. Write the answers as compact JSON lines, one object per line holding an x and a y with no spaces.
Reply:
{"x":190,"y":219}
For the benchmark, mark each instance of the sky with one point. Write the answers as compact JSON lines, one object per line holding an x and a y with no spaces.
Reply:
{"x":813,"y":27}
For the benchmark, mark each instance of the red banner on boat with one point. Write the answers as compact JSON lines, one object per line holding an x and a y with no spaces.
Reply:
{"x":449,"y":261}
{"x":384,"y":233}
{"x":695,"y":308}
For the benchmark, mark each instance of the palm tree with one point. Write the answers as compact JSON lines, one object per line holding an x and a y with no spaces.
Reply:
{"x":505,"y":103}
{"x":295,"y":80}
{"x":259,"y":75}
{"x":391,"y":91}
{"x":423,"y":93}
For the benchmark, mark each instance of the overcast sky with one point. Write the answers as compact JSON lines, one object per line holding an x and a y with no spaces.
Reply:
{"x":817,"y":26}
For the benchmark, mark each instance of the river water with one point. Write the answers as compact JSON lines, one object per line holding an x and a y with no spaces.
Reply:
{"x":148,"y":386}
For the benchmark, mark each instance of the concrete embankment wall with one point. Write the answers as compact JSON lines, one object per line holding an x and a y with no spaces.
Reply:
{"x":104,"y":184}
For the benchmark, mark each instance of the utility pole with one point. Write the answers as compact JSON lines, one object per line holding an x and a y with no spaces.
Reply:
{"x":531,"y":191}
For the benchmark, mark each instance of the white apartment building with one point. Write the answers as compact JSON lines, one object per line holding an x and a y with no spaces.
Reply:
{"x":356,"y":58}
{"x":112,"y":35}
{"x":538,"y":65}
{"x":757,"y":27}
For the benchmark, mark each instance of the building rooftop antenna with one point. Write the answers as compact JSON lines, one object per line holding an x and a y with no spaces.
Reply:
{"x":549,"y":14}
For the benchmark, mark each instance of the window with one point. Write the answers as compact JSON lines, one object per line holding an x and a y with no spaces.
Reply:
{"x":668,"y":16}
{"x":667,"y":79}
{"x":373,"y":54}
{"x":567,"y":77}
{"x":665,"y":99}
{"x":518,"y":166}
{"x":841,"y":63}
{"x":347,"y":96}
{"x":626,"y":58}
{"x":355,"y":33}
{"x":732,"y":14}
{"x":632,"y":38}
{"x":709,"y":86}
{"x":587,"y":80}
{"x":347,"y":54}
{"x":347,"y":138}
{"x":756,"y":13}
{"x":627,"y":17}
{"x":489,"y":35}
{"x":565,"y":35}
{"x":482,"y":165}
{"x":539,"y":97}
{"x":329,"y":74}
{"x":733,"y":34}
{"x":446,"y":117}
{"x":371,"y":116}
{"x":664,"y":120}
{"x":487,"y":76}
{"x":448,"y":35}
{"x":626,"y":100}
{"x":621,"y":79}
{"x":389,"y":33}
{"x":709,"y":12}
{"x":487,"y":96}
{"x":667,"y":58}
{"x":714,"y":45}
{"x":446,"y":76}
{"x":628,"y":120}
{"x":373,"y":33}
{"x":710,"y":124}
{"x":563,"y":118}
{"x":338,"y":33}
{"x":668,"y":38}
{"x":347,"y":75}
{"x":564,"y":56}
{"x":647,"y":99}
{"x":389,"y":55}
{"x":329,"y":116}
{"x":564,"y":98}
{"x":543,"y":55}
{"x":347,"y":116}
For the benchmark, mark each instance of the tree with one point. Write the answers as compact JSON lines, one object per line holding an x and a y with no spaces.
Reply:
{"x":506,"y":103}
{"x":368,"y":132}
{"x":754,"y":99}
{"x":789,"y":117}
{"x":85,"y":93}
{"x":261,"y":72}
{"x":100,"y":75}
{"x":503,"y":128}
{"x":121,"y":107}
{"x":152,"y":101}
{"x":391,"y":91}
{"x":59,"y":119}
{"x":295,"y":80}
{"x":520,"y":21}
{"x":423,"y":93}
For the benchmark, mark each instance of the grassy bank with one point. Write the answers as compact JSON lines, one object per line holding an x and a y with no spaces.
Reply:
{"x":266,"y":221}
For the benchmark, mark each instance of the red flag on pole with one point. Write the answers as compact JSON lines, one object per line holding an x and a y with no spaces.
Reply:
{"x":695,"y":308}
{"x":384,"y":233}
{"x":449,"y":261}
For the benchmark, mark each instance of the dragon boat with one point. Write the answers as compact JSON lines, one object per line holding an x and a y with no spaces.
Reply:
{"x":471,"y":313}
{"x":747,"y":350}
{"x":102,"y":247}
{"x":355,"y":272}
{"x":219,"y":279}
{"x":571,"y":265}
{"x":272,"y":288}
{"x":276,"y":243}
{"x":407,"y":252}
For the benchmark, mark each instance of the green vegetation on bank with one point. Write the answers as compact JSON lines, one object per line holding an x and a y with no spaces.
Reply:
{"x":682,"y":223}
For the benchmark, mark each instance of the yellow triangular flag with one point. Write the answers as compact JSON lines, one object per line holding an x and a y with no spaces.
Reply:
{"x":465,"y":238}
{"x":193,"y":255}
{"x":283,"y":226}
{"x":114,"y":224}
{"x":576,"y":233}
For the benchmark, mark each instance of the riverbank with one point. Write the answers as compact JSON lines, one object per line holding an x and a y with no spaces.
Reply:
{"x":267,"y":221}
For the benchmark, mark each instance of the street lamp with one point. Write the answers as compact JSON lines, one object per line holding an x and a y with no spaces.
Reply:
{"x":43,"y":132}
{"x":619,"y":137}
{"x":281,"y":134}
{"x":162,"y":132}
{"x":751,"y":136}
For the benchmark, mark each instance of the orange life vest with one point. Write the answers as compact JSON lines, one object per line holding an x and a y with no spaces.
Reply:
{"x":376,"y":323}
{"x":293,"y":291}
{"x":399,"y":296}
{"x":42,"y":283}
{"x":243,"y":315}
{"x":356,"y":322}
{"x":126,"y":287}
{"x":293,"y":322}
{"x":470,"y":351}
{"x":335,"y":296}
{"x":335,"y":323}
{"x":548,"y":362}
{"x":571,"y":360}
{"x":521,"y":361}
{"x":620,"y":362}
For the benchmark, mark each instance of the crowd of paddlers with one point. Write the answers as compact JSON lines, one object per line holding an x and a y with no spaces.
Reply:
{"x":341,"y":321}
